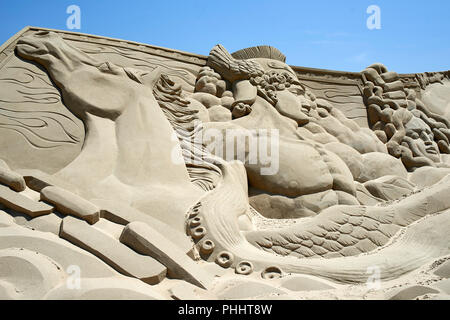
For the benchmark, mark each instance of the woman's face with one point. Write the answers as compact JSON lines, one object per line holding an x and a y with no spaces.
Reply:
{"x":418,"y":130}
{"x":290,"y":99}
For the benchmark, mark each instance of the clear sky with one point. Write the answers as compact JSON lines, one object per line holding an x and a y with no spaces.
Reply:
{"x":330,"y":34}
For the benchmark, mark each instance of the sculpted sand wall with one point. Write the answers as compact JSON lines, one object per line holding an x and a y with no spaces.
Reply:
{"x":342,"y":89}
{"x":106,"y":167}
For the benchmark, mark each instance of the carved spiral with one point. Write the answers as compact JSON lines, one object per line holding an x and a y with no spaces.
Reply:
{"x":244,"y":268}
{"x":198,"y":233}
{"x":207,"y":247}
{"x":195,"y":210}
{"x":195,"y":222}
{"x":225,"y":259}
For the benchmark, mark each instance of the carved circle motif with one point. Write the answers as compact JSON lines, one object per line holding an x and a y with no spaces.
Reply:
{"x":195,"y":222}
{"x":198,"y":233}
{"x":225,"y":259}
{"x":207,"y":247}
{"x":244,"y":268}
{"x":272,"y":272}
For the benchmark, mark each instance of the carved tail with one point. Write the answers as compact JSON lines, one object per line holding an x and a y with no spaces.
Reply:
{"x":220,"y":209}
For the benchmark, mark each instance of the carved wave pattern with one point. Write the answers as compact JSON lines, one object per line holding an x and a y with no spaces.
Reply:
{"x":346,"y":98}
{"x":335,"y":94}
{"x":31,"y":106}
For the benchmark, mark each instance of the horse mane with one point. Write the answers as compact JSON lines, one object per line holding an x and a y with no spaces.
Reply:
{"x":188,"y":128}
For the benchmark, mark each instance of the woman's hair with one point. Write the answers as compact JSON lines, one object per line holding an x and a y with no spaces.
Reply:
{"x":272,"y":81}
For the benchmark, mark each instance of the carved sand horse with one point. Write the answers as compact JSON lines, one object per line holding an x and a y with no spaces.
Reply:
{"x":128,"y":139}
{"x":129,"y":148}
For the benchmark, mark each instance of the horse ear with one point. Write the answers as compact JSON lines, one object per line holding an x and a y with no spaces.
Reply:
{"x":151,"y":78}
{"x":143,"y":77}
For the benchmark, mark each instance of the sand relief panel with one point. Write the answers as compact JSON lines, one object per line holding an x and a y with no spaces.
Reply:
{"x":236,"y":160}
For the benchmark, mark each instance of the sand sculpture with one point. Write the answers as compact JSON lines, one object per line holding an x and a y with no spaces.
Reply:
{"x":137,"y":172}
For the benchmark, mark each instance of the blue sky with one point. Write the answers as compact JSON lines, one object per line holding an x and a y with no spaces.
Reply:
{"x":331,"y":34}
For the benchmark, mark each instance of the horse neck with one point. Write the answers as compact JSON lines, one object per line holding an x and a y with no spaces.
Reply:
{"x":97,"y":158}
{"x":147,"y":145}
{"x":138,"y":149}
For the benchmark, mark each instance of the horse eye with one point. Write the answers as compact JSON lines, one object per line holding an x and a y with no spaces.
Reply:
{"x":104,"y":66}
